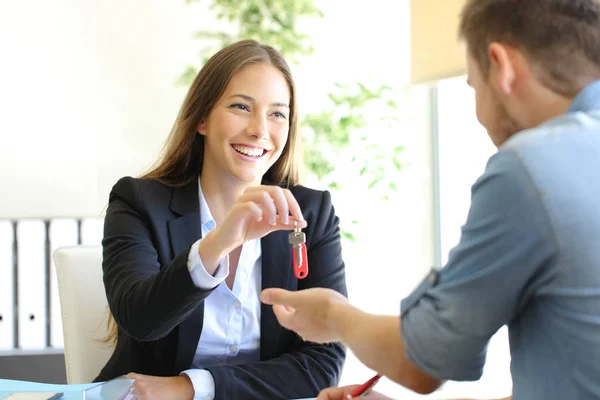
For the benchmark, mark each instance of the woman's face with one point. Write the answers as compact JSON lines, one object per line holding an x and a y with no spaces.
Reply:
{"x":247,"y":129}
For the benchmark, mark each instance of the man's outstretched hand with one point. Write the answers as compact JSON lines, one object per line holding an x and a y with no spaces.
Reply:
{"x":312,"y":313}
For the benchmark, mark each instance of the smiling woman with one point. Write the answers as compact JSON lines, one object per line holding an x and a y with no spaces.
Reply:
{"x":189,"y":246}
{"x":254,"y":126}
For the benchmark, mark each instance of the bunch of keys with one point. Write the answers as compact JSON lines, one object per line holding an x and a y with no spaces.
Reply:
{"x":297,"y":239}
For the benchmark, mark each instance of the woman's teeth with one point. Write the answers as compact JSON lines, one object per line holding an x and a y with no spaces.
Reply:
{"x":248,"y":151}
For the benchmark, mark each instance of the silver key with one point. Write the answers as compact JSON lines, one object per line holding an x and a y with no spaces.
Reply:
{"x":296,"y":238}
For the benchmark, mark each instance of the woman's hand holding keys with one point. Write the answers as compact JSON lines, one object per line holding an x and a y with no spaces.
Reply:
{"x":259,"y":211}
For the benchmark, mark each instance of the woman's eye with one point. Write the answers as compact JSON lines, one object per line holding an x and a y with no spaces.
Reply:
{"x":240,"y":106}
{"x":279,"y":114}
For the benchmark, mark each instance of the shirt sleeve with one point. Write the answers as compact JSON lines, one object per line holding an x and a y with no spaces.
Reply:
{"x":203,"y":382}
{"x":504,"y":256}
{"x":200,"y":277}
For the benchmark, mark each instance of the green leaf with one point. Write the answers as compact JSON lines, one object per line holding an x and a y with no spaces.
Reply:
{"x":397,"y":164}
{"x":348,"y":236}
{"x":392,"y":104}
{"x":398,"y":149}
{"x":375,"y":182}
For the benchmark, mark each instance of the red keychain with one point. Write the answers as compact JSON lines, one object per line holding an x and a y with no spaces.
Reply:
{"x":297,"y":239}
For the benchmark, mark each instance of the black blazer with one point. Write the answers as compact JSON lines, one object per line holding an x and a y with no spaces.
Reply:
{"x":148,"y":231}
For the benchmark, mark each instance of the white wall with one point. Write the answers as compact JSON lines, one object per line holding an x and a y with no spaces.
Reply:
{"x":87,"y":95}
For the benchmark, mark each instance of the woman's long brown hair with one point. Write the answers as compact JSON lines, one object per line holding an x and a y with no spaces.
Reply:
{"x":183,"y":153}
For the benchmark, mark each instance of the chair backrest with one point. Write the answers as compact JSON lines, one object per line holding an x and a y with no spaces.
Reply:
{"x":84,"y":311}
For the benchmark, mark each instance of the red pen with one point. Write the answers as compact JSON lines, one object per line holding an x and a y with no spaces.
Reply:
{"x":364,"y":388}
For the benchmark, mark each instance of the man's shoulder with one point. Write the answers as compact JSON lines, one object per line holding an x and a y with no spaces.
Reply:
{"x":504,"y":164}
{"x":558,"y":133}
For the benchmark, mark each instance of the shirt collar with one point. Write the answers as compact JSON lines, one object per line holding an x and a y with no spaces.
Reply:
{"x":588,"y":99}
{"x":206,"y":219}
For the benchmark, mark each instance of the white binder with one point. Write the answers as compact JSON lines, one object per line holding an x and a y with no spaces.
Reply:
{"x":31,"y":237}
{"x":7,"y":322}
{"x":92,"y":231}
{"x":63,"y":232}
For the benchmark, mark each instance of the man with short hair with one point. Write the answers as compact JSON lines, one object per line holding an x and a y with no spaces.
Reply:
{"x":529,"y":252}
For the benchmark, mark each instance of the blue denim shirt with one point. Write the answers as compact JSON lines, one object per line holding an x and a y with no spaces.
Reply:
{"x":529,"y":258}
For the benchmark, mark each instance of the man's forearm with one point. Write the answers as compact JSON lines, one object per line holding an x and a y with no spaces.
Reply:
{"x":377,"y":342}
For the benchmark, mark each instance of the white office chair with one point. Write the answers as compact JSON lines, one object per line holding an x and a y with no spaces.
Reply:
{"x":84,"y":311}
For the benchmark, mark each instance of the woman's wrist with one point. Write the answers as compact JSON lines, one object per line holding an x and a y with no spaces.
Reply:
{"x":187,"y":387}
{"x":212,"y":250}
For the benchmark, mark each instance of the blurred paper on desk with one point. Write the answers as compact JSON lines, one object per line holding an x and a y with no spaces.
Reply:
{"x":34,"y":396}
{"x":120,"y":388}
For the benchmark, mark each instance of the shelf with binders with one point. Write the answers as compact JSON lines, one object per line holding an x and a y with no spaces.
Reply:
{"x":30,"y":315}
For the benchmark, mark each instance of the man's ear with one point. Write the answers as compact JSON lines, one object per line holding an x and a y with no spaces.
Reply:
{"x":502,"y":66}
{"x":201,"y":128}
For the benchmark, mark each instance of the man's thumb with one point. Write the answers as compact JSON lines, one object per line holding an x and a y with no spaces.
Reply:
{"x":277,"y":296}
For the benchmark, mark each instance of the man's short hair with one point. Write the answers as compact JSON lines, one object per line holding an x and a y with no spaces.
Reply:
{"x":561,"y":38}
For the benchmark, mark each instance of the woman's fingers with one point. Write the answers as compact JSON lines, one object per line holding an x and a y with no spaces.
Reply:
{"x":281,"y":203}
{"x":249,"y":208}
{"x":294,"y":207}
{"x":263,"y":199}
{"x":274,"y":201}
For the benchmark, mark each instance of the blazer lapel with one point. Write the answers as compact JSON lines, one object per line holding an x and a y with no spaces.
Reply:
{"x":184,"y":230}
{"x":276,"y":267}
